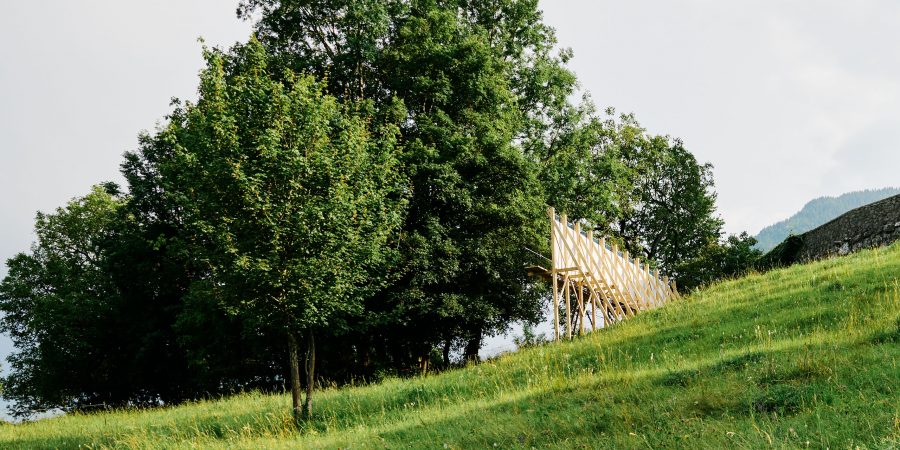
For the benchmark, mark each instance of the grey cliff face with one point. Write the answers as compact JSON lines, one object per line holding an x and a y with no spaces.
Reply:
{"x":872,"y":225}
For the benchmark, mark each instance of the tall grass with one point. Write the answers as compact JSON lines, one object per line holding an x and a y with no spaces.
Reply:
{"x":800,"y":357}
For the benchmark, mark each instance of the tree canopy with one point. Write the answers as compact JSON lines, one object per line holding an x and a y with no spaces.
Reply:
{"x":64,"y":310}
{"x":289,"y":198}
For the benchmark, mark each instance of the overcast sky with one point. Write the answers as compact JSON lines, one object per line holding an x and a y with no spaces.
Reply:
{"x":789,"y":100}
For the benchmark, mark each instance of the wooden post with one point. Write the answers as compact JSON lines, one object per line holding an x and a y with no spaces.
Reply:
{"x":581,"y":308}
{"x":555,"y":305}
{"x":553,"y":273}
{"x":629,"y":277}
{"x":635,"y":277}
{"x":568,"y":308}
{"x":604,"y":301}
{"x":668,"y":286}
{"x":619,"y":299}
{"x":641,"y":286}
{"x":646,"y":283}
{"x":657,"y":292}
{"x":592,"y":297}
{"x":564,"y":221}
{"x":579,"y":294}
{"x":651,"y":286}
{"x":631,"y":296}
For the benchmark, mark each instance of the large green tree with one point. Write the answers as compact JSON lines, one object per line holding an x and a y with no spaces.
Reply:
{"x":289,"y":197}
{"x":59,"y":305}
{"x":481,"y":83}
{"x":100,"y":317}
{"x":156,"y":267}
{"x":584,"y":174}
{"x":672,"y":213}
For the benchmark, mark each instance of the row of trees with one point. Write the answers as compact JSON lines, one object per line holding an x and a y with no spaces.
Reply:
{"x":359,"y":186}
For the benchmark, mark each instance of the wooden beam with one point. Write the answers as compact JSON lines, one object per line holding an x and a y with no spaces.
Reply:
{"x":555,"y":307}
{"x":568,"y":309}
{"x":619,"y":284}
{"x":580,"y":308}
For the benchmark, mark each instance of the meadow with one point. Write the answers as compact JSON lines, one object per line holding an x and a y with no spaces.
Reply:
{"x":800,"y":357}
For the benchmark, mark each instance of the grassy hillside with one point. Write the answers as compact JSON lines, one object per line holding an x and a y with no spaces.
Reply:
{"x":818,"y":212}
{"x":801,"y":357}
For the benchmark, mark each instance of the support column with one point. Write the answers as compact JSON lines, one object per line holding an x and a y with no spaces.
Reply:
{"x":568,"y":307}
{"x":555,"y":305}
{"x":580,"y":308}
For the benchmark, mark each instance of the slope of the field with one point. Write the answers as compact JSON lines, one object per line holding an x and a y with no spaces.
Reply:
{"x":800,"y":357}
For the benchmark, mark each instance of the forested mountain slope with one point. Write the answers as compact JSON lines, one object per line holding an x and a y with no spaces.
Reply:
{"x":818,"y":212}
{"x":805,"y":356}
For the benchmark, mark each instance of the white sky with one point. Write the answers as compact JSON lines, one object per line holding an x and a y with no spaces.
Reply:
{"x":789,"y":100}
{"x":78,"y":82}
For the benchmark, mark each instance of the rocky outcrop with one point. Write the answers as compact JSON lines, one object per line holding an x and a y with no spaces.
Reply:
{"x":872,"y":225}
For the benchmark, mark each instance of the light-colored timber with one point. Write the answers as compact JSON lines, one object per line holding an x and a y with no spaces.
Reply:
{"x":608,"y":279}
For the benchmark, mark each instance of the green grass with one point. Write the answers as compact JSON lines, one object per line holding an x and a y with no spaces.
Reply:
{"x":800,"y":357}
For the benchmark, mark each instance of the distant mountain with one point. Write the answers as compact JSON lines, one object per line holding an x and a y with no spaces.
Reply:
{"x":818,"y":212}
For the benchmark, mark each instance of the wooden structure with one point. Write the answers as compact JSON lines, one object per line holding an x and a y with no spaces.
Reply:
{"x":593,"y":274}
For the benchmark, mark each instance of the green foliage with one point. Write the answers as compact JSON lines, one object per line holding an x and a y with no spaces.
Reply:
{"x":492,"y":138}
{"x":783,"y":255}
{"x":529,"y":337}
{"x":99,"y":315}
{"x":290,"y":197}
{"x":478,"y":81}
{"x":671,"y":216}
{"x":584,"y":174}
{"x":734,"y":257}
{"x":60,"y":303}
{"x":773,"y":360}
{"x":170,"y":291}
{"x":646,"y":192}
{"x":92,"y":311}
{"x":818,"y":212}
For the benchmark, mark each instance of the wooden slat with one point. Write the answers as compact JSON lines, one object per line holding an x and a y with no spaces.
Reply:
{"x":614,"y":282}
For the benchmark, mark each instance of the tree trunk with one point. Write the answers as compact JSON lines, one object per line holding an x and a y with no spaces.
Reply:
{"x":472,"y":347}
{"x":310,"y":373}
{"x":366,"y":359}
{"x":446,"y":353}
{"x":295,"y":374}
